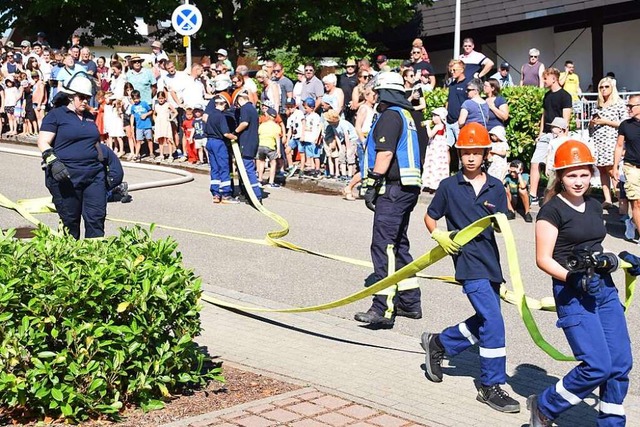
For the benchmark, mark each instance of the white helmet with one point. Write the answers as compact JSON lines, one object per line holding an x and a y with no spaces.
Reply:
{"x":80,"y":83}
{"x":222,"y":82}
{"x":389,"y":80}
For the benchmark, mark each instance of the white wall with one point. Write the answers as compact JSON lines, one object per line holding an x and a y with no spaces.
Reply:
{"x":621,"y":55}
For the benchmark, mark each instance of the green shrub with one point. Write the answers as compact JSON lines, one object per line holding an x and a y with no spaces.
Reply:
{"x":525,"y":110}
{"x":89,"y":326}
{"x":523,"y":127}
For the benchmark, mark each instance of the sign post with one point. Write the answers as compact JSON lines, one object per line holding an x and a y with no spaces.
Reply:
{"x":186,"y":20}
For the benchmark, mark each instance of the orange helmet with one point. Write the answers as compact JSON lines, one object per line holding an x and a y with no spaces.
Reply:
{"x":473,"y":135}
{"x":572,"y":153}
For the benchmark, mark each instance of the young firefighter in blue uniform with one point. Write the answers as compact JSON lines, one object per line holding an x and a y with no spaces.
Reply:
{"x":587,"y":303}
{"x":393,"y":187}
{"x":462,"y":199}
{"x":74,"y":173}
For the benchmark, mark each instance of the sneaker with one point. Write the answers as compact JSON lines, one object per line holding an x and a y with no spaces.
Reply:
{"x":374,"y":318}
{"x":498,"y":399}
{"x":274,"y":185}
{"x":433,"y":358}
{"x":410,"y":314}
{"x":511,"y":215}
{"x":159,"y":159}
{"x":169,"y":159}
{"x":629,"y":229}
{"x":536,"y":419}
{"x":527,"y":217}
{"x":533,"y":200}
{"x":228,"y":200}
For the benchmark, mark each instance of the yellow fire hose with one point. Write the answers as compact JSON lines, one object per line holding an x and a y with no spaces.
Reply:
{"x":515,"y":296}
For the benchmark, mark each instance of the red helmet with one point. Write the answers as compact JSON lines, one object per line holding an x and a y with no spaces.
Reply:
{"x":473,"y":135}
{"x":572,"y":153}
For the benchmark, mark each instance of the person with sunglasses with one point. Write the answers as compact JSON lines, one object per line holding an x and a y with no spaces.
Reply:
{"x":74,"y":170}
{"x":531,"y":73}
{"x":419,"y":65}
{"x":629,"y":143}
{"x":477,"y":65}
{"x":347,"y":81}
{"x":286,"y":86}
{"x":603,"y":131}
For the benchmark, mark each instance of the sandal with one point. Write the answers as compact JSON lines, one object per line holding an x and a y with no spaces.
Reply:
{"x":348,"y":194}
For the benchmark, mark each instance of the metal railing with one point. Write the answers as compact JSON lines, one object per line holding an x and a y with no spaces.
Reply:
{"x":589,"y":103}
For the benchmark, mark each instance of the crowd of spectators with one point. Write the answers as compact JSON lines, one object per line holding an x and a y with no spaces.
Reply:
{"x":153,"y":110}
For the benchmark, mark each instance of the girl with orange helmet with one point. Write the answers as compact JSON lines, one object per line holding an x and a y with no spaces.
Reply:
{"x":587,"y":303}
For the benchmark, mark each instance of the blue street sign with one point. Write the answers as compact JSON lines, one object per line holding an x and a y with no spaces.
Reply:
{"x":186,"y":19}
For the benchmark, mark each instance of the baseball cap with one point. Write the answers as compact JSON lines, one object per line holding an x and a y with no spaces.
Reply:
{"x":41,"y":34}
{"x":505,"y":66}
{"x":381,"y":58}
{"x":36,"y":44}
{"x":311,"y":103}
{"x":25,"y":43}
{"x":9,"y":44}
{"x":271,"y":112}
{"x":157,"y":44}
{"x":290,"y":102}
{"x":222,"y":52}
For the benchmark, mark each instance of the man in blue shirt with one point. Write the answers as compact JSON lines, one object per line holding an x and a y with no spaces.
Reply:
{"x":141,"y":113}
{"x":457,"y":95}
{"x":247,"y":131}
{"x":463,"y":199}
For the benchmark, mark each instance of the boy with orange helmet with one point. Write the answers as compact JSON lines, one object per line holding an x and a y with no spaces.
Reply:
{"x":462,"y":199}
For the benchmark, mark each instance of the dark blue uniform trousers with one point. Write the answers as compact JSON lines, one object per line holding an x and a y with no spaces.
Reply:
{"x":485,"y":328}
{"x":250,"y":166}
{"x":390,"y":224}
{"x":87,"y":200}
{"x":597,"y":333}
{"x":219,"y":172}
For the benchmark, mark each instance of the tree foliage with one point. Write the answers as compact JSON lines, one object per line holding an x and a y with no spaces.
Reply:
{"x":336,"y":27}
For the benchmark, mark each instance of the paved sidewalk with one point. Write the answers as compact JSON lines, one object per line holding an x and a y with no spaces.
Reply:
{"x":380,"y":369}
{"x":307,"y":407}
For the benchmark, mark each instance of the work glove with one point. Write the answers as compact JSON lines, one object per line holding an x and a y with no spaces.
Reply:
{"x":633,"y":260}
{"x":581,"y":281}
{"x":56,"y":167}
{"x":373,"y":182}
{"x":445,"y":240}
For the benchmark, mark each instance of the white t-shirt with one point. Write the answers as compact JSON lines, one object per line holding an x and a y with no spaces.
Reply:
{"x":294,"y":123}
{"x":193,"y":93}
{"x":177,"y":83}
{"x":250,"y":85}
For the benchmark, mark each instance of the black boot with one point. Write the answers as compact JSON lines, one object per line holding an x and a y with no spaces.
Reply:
{"x":374,"y":318}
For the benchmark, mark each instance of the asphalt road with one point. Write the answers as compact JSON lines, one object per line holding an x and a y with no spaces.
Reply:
{"x":327,"y":224}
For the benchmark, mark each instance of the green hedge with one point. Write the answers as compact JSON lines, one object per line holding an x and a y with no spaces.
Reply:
{"x":525,"y":110}
{"x":89,"y":326}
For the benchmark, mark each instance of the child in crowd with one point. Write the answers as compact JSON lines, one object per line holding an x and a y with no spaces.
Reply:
{"x":269,"y":136}
{"x":11,"y":96}
{"x":516,"y":183}
{"x":141,"y":121}
{"x":98,"y":113}
{"x":341,"y":138}
{"x":188,"y":133}
{"x":463,"y":199}
{"x":498,"y":153}
{"x":310,"y":137}
{"x":199,"y":136}
{"x":436,"y":159}
{"x":163,"y":115}
{"x":113,"y":125}
{"x":294,"y":129}
{"x":559,"y":134}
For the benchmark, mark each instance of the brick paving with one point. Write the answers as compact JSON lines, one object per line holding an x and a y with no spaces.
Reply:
{"x":302,"y":408}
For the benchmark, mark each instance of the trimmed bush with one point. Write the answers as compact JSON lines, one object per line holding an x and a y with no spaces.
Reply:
{"x":525,"y":110}
{"x":89,"y":326}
